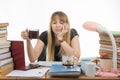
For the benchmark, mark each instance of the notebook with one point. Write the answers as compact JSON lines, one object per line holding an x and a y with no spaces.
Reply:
{"x":17,"y":53}
{"x":57,"y":70}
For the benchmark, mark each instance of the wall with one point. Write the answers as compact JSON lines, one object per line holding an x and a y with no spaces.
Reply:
{"x":22,"y":14}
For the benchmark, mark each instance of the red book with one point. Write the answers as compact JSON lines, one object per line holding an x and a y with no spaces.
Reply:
{"x":17,"y":52}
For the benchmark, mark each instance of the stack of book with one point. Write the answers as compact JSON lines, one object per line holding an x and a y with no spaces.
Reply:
{"x":106,"y":49}
{"x":6,"y":61}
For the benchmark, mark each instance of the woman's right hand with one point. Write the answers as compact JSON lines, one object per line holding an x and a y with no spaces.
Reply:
{"x":25,"y":34}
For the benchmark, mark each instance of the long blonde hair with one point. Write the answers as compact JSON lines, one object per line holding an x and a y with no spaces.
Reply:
{"x":51,"y":38}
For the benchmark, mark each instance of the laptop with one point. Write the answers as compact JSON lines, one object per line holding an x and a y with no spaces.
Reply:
{"x":58,"y":70}
{"x":18,"y":55}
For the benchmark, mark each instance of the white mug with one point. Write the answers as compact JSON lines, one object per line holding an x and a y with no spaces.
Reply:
{"x":90,"y":69}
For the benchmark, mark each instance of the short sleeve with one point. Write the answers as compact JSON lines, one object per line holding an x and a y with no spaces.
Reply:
{"x":73,"y":33}
{"x":44,"y":37}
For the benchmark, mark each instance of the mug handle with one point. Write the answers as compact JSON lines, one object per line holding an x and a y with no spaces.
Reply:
{"x":98,"y":70}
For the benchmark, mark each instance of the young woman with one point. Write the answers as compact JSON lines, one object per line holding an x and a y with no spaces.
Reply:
{"x":59,"y":40}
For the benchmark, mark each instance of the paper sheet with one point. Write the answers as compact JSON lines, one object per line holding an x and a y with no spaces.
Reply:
{"x":38,"y":72}
{"x":47,"y":63}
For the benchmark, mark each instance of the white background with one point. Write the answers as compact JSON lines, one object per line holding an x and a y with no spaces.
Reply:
{"x":22,"y":14}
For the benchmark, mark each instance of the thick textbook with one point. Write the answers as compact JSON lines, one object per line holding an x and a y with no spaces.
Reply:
{"x":6,"y":66}
{"x":58,"y":70}
{"x":105,"y":37}
{"x":6,"y":61}
{"x":5,"y":55}
{"x":5,"y":24}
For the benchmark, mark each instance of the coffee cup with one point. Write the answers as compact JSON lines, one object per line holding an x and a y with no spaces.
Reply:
{"x":68,"y":60}
{"x":90,"y":69}
{"x":33,"y":33}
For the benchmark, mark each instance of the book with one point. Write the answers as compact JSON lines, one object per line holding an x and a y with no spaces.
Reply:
{"x":109,"y":46}
{"x":17,"y":53}
{"x":115,"y":34}
{"x":101,"y":42}
{"x":3,"y":36}
{"x":107,"y":52}
{"x":6,"y":66}
{"x":4,"y":24}
{"x":108,"y":49}
{"x":3,"y":31}
{"x":61,"y":71}
{"x":4,"y":44}
{"x":3,"y":50}
{"x":6,"y":61}
{"x":5,"y":72}
{"x":105,"y":37}
{"x":5,"y":55}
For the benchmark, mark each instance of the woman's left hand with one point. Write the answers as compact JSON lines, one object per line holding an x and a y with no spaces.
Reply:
{"x":65,"y":29}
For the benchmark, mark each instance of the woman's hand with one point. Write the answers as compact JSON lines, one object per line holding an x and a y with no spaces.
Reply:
{"x":63,"y":32}
{"x":25,"y":34}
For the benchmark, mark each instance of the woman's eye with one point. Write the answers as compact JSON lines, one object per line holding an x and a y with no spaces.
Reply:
{"x":61,"y":23}
{"x":54,"y":22}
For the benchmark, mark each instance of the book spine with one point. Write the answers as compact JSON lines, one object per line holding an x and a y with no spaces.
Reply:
{"x":6,"y":61}
{"x":5,"y":67}
{"x":5,"y":55}
{"x":4,"y":25}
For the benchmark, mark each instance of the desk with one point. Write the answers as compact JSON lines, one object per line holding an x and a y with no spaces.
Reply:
{"x":82,"y":77}
{"x":21,"y":78}
{"x":7,"y":78}
{"x":47,"y":77}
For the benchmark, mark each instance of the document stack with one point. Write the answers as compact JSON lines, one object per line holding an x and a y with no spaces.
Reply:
{"x":106,"y":50}
{"x":6,"y":61}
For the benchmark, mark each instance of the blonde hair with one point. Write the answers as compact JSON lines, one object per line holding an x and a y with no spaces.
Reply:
{"x":51,"y":38}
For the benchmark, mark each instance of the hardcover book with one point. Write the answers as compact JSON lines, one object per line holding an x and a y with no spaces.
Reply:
{"x":4,"y":24}
{"x":62,"y":71}
{"x":6,"y":67}
{"x":5,"y":55}
{"x":6,"y":61}
{"x":105,"y":37}
{"x":4,"y":44}
{"x":3,"y":50}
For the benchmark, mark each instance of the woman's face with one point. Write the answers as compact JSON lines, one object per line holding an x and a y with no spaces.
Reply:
{"x":57,"y":25}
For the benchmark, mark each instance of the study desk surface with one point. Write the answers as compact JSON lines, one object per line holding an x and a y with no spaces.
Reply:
{"x":82,"y":77}
{"x":47,"y":77}
{"x":22,"y":78}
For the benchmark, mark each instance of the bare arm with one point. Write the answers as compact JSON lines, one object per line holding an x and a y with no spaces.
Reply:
{"x":74,"y":48}
{"x":33,"y":53}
